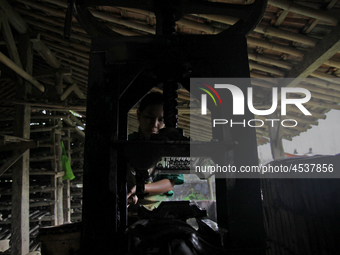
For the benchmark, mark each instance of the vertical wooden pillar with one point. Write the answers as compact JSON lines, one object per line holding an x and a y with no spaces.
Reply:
{"x":54,"y":211}
{"x":20,"y":185}
{"x":59,"y":200}
{"x":66,"y":190}
{"x":57,"y":183}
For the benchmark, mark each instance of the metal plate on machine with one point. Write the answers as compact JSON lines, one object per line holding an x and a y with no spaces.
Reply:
{"x":146,"y":154}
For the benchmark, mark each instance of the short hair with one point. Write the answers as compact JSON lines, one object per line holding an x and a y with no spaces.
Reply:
{"x":150,"y":99}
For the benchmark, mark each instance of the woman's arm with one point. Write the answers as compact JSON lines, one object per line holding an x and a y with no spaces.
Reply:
{"x":160,"y":186}
{"x":157,"y":187}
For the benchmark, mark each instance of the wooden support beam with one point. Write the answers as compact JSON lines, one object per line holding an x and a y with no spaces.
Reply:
{"x":45,"y":53}
{"x":10,"y":139}
{"x":13,"y":17}
{"x":77,"y":130}
{"x":4,"y":59}
{"x":10,"y":42}
{"x":304,"y":10}
{"x":19,"y":146}
{"x":74,"y":87}
{"x":50,"y":59}
{"x":281,"y":18}
{"x":76,"y":120}
{"x":311,"y":26}
{"x":323,"y":51}
{"x":67,"y":91}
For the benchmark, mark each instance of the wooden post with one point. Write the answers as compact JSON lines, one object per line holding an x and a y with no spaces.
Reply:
{"x":59,"y":200}
{"x":67,"y":192}
{"x":54,"y":212}
{"x":20,"y":185}
{"x":57,"y":194}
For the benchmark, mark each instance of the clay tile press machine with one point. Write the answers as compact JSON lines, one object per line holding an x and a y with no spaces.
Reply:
{"x":124,"y":69}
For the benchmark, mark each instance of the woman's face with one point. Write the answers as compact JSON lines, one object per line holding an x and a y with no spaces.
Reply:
{"x":150,"y":120}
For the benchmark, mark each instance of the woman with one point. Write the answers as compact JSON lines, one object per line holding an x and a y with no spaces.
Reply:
{"x":150,"y":118}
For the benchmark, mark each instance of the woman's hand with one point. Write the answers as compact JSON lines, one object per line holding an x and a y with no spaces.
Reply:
{"x":154,"y":188}
{"x":132,"y":198}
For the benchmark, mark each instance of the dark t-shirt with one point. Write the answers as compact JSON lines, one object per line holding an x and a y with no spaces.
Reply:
{"x":131,"y":180}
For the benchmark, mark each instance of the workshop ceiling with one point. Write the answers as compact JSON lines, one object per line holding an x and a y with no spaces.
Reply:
{"x":293,"y":39}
